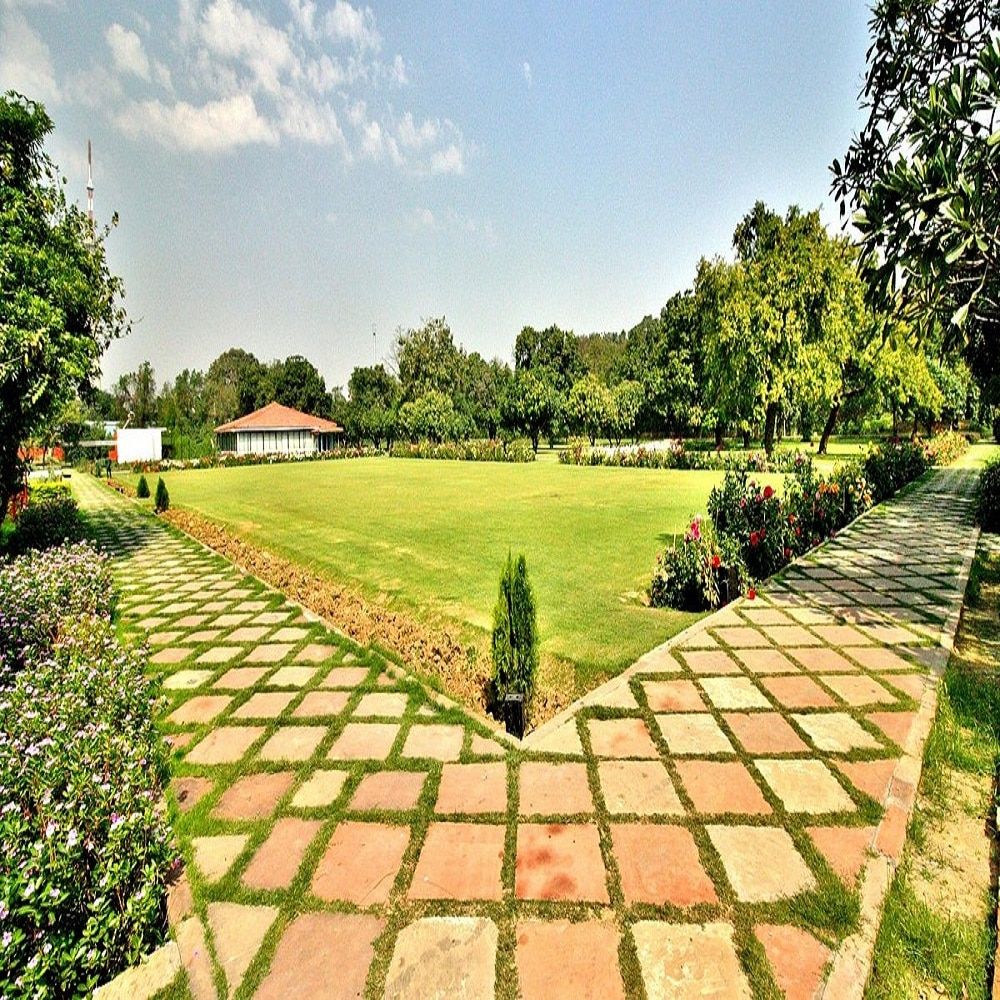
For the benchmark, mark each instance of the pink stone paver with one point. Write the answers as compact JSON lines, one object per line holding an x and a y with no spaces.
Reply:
{"x":364,"y":741}
{"x":200,"y":708}
{"x":796,"y":958}
{"x":361,"y":862}
{"x":436,"y":741}
{"x":345,"y":677}
{"x":721,"y":787}
{"x":621,"y":738}
{"x":393,"y":790}
{"x":189,"y":791}
{"x":766,"y":661}
{"x":741,"y":637}
{"x":264,"y":705}
{"x":820,"y":659}
{"x":219,"y":654}
{"x":253,"y":796}
{"x":764,"y":732}
{"x":171,"y":654}
{"x":293,"y":743}
{"x":797,"y":692}
{"x":693,"y":734}
{"x":734,"y":693}
{"x":588,"y":960}
{"x":858,"y":690}
{"x":844,"y":847}
{"x":560,"y":862}
{"x":269,"y":652}
{"x":382,"y":703}
{"x":554,"y":789}
{"x":460,"y":861}
{"x":895,"y":725}
{"x":660,"y":864}
{"x":224,"y":745}
{"x":711,"y":661}
{"x":673,"y":696}
{"x":871,"y":776}
{"x":472,"y":788}
{"x":291,"y":677}
{"x":880,"y":658}
{"x":240,"y":678}
{"x":638,"y":787}
{"x":248,"y":633}
{"x":238,"y":932}
{"x":277,"y":860}
{"x":349,"y":936}
{"x":316,"y":704}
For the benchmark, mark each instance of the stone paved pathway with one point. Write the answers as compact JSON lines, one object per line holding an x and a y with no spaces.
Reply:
{"x":698,"y":827}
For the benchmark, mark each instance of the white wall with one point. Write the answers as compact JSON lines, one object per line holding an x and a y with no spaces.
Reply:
{"x":274,"y":442}
{"x":140,"y":444}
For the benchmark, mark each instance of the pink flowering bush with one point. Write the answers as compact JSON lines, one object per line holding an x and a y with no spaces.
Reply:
{"x":85,"y":847}
{"x":699,"y":572}
{"x":752,"y":515}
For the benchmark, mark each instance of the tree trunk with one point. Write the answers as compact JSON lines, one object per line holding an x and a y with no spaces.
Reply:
{"x":534,"y":441}
{"x":895,"y":423}
{"x":746,"y":440}
{"x":718,"y":435}
{"x":831,"y":422}
{"x":770,"y":423}
{"x":916,"y":427}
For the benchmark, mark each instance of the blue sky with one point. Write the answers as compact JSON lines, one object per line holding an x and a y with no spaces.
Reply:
{"x":290,"y":172}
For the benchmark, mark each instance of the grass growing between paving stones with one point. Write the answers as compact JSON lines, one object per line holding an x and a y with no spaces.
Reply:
{"x":937,"y":933}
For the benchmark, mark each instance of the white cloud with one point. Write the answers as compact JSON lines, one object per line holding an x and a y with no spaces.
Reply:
{"x":397,"y":72}
{"x":214,"y":127}
{"x":25,"y":61}
{"x":422,"y":218}
{"x":353,"y":24}
{"x":309,"y":121}
{"x":528,"y":76}
{"x":450,"y":160}
{"x":413,"y":136}
{"x":304,"y":15}
{"x":127,"y":51}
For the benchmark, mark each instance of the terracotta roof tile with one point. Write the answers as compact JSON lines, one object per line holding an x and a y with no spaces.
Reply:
{"x":275,"y":417}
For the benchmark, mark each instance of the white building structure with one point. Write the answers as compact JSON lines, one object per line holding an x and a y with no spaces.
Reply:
{"x":277,"y":430}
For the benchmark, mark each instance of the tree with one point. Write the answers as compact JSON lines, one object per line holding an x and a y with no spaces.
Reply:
{"x":431,"y":417}
{"x":427,"y":359}
{"x":602,"y":354}
{"x":514,"y":641}
{"x":484,"y":384}
{"x":135,"y":396}
{"x":234,"y":385}
{"x":590,"y":406}
{"x":550,"y":353}
{"x":297,"y":383}
{"x":374,"y":398}
{"x":60,"y":306}
{"x":532,"y":405}
{"x":626,"y":403}
{"x":922,"y":176}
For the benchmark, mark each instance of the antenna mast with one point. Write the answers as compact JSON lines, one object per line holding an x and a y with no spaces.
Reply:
{"x":90,"y":184}
{"x":374,"y":346}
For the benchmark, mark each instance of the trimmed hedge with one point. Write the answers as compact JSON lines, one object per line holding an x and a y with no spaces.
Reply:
{"x":678,"y":457}
{"x":86,"y":844}
{"x":988,"y":496}
{"x":475,"y":450}
{"x":49,"y":517}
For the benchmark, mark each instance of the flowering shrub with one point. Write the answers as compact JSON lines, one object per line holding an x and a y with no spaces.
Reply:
{"x":889,"y":467}
{"x":49,"y":517}
{"x":85,"y":845}
{"x":474,"y":450}
{"x":698,"y":572}
{"x":678,"y":457}
{"x":944,"y":448}
{"x":988,"y":496}
{"x":754,"y":517}
{"x":41,"y":590}
{"x":218,"y":460}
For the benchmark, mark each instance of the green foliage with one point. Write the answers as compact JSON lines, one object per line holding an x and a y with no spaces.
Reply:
{"x":161,"y":501}
{"x":921,"y":176}
{"x":296,"y":382}
{"x":889,"y":467}
{"x":945,"y":448}
{"x":551,"y":354}
{"x":432,"y":417}
{"x":468,"y":451}
{"x":60,"y":304}
{"x":86,"y":844}
{"x":590,"y":407}
{"x":755,"y":517}
{"x":532,"y":405}
{"x":988,"y":496}
{"x":515,"y":633}
{"x":50,"y":517}
{"x":678,"y":457}
{"x":142,"y":488}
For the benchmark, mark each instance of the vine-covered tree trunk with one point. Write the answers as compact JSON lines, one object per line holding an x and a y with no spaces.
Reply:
{"x":831,"y":422}
{"x":718,"y":435}
{"x":770,"y":426}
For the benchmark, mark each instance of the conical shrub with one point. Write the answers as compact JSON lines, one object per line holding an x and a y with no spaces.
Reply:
{"x":142,"y":488}
{"x":162,"y":500}
{"x":515,"y":633}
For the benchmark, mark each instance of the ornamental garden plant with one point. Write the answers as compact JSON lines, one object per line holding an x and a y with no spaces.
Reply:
{"x":86,"y":844}
{"x":514,"y":641}
{"x":988,"y":496}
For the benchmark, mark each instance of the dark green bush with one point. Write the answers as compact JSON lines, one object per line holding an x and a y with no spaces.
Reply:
{"x":162,"y":500}
{"x":50,"y":518}
{"x":754,"y":517}
{"x":988,"y":496}
{"x":515,"y":633}
{"x":889,"y":467}
{"x":142,"y":488}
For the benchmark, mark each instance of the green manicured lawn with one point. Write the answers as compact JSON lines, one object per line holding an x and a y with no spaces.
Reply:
{"x":431,"y":537}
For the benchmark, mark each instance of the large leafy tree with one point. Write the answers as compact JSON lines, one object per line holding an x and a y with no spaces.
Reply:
{"x":60,"y":306}
{"x":234,"y":385}
{"x":135,"y":396}
{"x":923,"y":176}
{"x":533,"y":405}
{"x":296,"y":382}
{"x":427,"y":359}
{"x":552,"y":354}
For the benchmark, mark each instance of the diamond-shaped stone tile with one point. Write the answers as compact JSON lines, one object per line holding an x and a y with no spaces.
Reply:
{"x":621,"y":738}
{"x":560,"y":862}
{"x":693,"y":734}
{"x":225,"y":745}
{"x":766,"y":661}
{"x":836,"y":732}
{"x":660,"y":864}
{"x":673,"y":696}
{"x":733,"y":693}
{"x":214,"y":856}
{"x":293,"y":743}
{"x":796,"y":958}
{"x":711,"y":661}
{"x":253,"y":796}
{"x":364,"y":741}
{"x":361,"y":863}
{"x":186,"y":680}
{"x":797,"y":692}
{"x":384,"y":703}
{"x":321,"y":788}
{"x":200,"y":708}
{"x":393,"y":790}
{"x":264,"y":705}
{"x":741,"y":849}
{"x":805,"y":786}
{"x":319,"y":704}
{"x":434,"y":740}
{"x":764,"y":732}
{"x":291,"y":676}
{"x":721,"y":787}
{"x":638,"y":787}
{"x":844,"y":847}
{"x":821,"y":660}
{"x":472,"y":788}
{"x":277,"y":860}
{"x":240,"y":678}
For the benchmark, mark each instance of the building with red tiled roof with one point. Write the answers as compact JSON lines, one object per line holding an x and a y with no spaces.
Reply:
{"x":277,"y":430}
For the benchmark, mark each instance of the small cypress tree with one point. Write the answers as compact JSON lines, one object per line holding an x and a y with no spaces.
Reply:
{"x":142,"y":488}
{"x":162,"y":500}
{"x":515,"y":633}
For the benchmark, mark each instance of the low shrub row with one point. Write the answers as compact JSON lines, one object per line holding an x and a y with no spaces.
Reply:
{"x":474,"y":450}
{"x":988,"y":496}
{"x":86,"y":845}
{"x":225,"y":461}
{"x":944,"y":448}
{"x":753,"y":530}
{"x":678,"y":457}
